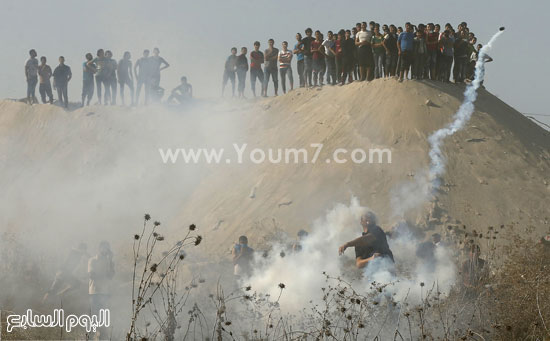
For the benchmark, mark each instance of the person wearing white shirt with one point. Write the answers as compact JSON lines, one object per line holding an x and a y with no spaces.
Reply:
{"x":364,"y":52}
{"x":285,"y":66}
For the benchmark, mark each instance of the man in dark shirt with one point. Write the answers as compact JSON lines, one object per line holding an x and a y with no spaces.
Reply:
{"x":298,"y":52}
{"x":390,"y":44}
{"x":125,"y":76}
{"x":371,"y":244}
{"x":61,"y":77}
{"x":229,"y":71}
{"x":427,"y":251}
{"x":308,"y":56}
{"x":88,"y":71}
{"x":256,"y":61}
{"x":271,"y":55}
{"x":100,"y":63}
{"x":111,"y":87}
{"x":348,"y":49}
{"x":157,"y":65}
{"x":474,"y":269}
{"x":243,"y":255}
{"x":31,"y":73}
{"x":45,"y":87}
{"x":143,"y":76}
{"x":461,"y":57}
{"x":242,"y":69}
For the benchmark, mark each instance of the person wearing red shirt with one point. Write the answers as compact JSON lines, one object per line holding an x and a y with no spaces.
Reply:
{"x":432,"y":45}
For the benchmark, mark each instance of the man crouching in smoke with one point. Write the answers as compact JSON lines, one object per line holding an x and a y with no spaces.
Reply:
{"x":371,"y":245}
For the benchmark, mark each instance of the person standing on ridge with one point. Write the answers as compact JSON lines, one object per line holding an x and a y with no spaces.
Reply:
{"x":157,"y":65}
{"x":256,"y":72}
{"x":61,"y":77}
{"x":229,"y":71}
{"x":330,"y":54}
{"x":378,"y":51}
{"x":270,"y":69}
{"x":318,"y":55}
{"x":364,"y":52}
{"x":143,"y":76}
{"x":31,"y":75}
{"x":125,"y":76}
{"x":100,"y":63}
{"x":111,"y":67}
{"x":390,"y":45}
{"x":348,"y":46}
{"x":432,"y":46}
{"x":88,"y":71}
{"x":285,"y":66}
{"x":405,"y":45}
{"x":45,"y":87}
{"x":299,"y":53}
{"x":308,"y":57}
{"x":420,"y":51}
{"x":242,"y":69}
{"x":338,"y":43}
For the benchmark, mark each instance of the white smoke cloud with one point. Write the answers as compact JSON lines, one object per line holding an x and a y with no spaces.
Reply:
{"x":302,"y":272}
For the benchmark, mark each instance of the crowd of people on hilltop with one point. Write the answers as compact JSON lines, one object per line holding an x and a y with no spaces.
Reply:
{"x":103,"y":73}
{"x":365,"y":52}
{"x":362,"y":53}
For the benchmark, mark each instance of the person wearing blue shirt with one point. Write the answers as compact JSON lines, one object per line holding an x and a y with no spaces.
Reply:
{"x":405,"y":45}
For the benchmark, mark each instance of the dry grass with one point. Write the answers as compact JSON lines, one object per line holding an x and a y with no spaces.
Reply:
{"x":511,"y":301}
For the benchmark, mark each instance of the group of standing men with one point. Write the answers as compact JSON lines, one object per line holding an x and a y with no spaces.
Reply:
{"x":61,"y":77}
{"x":365,"y":52}
{"x":102,"y":72}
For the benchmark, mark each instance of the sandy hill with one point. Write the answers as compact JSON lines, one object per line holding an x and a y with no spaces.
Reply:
{"x":498,"y":169}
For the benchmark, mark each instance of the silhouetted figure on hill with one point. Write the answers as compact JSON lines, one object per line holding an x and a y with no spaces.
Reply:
{"x":61,"y":77}
{"x":45,"y":74}
{"x":31,"y":75}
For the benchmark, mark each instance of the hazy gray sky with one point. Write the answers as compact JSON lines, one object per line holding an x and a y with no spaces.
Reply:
{"x":195,"y":36}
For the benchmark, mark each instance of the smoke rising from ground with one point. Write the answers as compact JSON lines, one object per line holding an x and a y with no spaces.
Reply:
{"x":302,"y":272}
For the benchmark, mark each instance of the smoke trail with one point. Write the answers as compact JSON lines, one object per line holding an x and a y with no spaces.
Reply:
{"x":410,"y":195}
{"x":462,"y":116}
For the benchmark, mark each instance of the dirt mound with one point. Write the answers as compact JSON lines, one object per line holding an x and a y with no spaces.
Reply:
{"x":497,"y":168}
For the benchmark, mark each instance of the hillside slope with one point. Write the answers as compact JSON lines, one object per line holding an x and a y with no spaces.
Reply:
{"x":498,"y":167}
{"x":497,"y":171}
